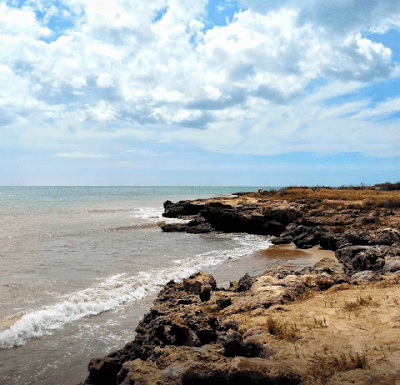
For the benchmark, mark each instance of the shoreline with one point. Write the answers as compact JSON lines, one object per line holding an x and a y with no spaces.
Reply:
{"x":328,"y":314}
{"x":296,"y":259}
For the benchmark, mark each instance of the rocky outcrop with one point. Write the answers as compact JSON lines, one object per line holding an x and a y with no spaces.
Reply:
{"x":181,"y":209}
{"x":187,"y":335}
{"x":273,"y":329}
{"x":359,"y":242}
{"x":227,"y":218}
{"x":246,"y":219}
{"x":198,"y":225}
{"x":198,"y":333}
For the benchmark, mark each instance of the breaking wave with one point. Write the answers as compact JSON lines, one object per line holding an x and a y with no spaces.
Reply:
{"x":119,"y":290}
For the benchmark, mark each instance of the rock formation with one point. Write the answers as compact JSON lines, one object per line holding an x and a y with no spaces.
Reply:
{"x":335,"y":323}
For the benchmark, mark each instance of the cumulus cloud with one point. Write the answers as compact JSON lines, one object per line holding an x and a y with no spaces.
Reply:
{"x":102,"y":112}
{"x":338,"y":17}
{"x":20,"y":22}
{"x":152,"y":71}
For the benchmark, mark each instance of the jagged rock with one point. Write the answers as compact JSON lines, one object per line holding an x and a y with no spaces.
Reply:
{"x":327,"y":265}
{"x":309,"y":238}
{"x":174,"y":227}
{"x":235,"y":346}
{"x":282,"y":240}
{"x":392,"y":264}
{"x":330,"y":241}
{"x":192,"y":334}
{"x":245,"y":283}
{"x":181,"y":208}
{"x":363,"y":277}
{"x":357,"y":237}
{"x":282,"y":216}
{"x":360,"y":258}
{"x":387,"y":236}
{"x":198,"y":283}
{"x":238,"y":219}
{"x":183,"y":366}
{"x":197,"y":225}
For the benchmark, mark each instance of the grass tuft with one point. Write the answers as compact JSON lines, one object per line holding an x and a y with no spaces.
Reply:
{"x":359,"y":302}
{"x":324,"y":365}
{"x":281,"y":330}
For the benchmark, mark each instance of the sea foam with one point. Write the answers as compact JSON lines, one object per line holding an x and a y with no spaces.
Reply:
{"x":120,"y":289}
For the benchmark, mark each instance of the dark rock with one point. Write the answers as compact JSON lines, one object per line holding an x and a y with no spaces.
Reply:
{"x":224,"y":302}
{"x":363,"y":277}
{"x":386,"y":237}
{"x":360,"y":258}
{"x":329,"y":241}
{"x":238,"y":219}
{"x":282,"y":216}
{"x":245,"y":283}
{"x":307,"y":240}
{"x":199,"y":282}
{"x":235,"y":346}
{"x":282,"y":240}
{"x":197,"y":225}
{"x":181,"y":208}
{"x":174,"y":227}
{"x":356,"y":237}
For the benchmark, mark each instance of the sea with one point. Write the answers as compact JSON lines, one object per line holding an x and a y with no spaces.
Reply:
{"x":80,"y":266}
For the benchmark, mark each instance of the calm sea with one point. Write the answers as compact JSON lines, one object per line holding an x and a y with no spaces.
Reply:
{"x":79,"y":266}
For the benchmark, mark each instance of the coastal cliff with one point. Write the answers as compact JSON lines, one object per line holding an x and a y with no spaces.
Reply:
{"x":337,"y":322}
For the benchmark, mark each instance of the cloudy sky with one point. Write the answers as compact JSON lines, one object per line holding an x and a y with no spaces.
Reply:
{"x":217,"y":92}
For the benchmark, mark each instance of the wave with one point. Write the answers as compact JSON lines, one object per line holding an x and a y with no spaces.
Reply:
{"x":139,"y":226}
{"x":119,"y":290}
{"x":108,"y":210}
{"x":149,"y":213}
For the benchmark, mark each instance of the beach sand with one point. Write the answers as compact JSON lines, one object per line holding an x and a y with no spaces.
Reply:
{"x":293,"y":258}
{"x":285,"y":257}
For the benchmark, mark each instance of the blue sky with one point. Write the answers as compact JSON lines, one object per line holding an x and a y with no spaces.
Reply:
{"x":218,"y":92}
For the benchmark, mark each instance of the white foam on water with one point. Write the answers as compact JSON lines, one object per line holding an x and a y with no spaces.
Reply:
{"x":149,"y":213}
{"x":153,"y":214}
{"x":120,"y":289}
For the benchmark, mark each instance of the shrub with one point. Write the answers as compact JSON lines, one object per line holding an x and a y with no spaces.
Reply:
{"x":388,"y":186}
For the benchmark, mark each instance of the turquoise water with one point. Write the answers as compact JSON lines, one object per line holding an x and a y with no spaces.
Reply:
{"x":81,"y":265}
{"x":52,"y":197}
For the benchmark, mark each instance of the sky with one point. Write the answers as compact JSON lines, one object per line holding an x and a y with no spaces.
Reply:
{"x":217,"y":92}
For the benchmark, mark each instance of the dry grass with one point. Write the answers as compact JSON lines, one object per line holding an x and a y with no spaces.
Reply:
{"x":353,"y":198}
{"x":280,"y":330}
{"x":359,"y":302}
{"x":325,"y":364}
{"x":339,"y":196}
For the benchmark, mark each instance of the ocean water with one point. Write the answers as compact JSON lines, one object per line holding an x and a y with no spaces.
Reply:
{"x":79,"y":266}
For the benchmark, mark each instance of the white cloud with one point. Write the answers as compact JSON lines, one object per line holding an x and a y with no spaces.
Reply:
{"x":119,"y":74}
{"x":381,"y":109}
{"x":102,"y":112}
{"x":339,"y":17}
{"x":78,"y":154}
{"x":20,"y":22}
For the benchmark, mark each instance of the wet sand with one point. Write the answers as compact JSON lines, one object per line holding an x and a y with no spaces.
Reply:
{"x":286,"y":257}
{"x":290,"y":257}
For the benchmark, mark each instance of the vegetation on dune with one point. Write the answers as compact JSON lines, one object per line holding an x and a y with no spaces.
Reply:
{"x":387,"y":196}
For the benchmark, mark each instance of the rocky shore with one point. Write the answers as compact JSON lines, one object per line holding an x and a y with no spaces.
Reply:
{"x":337,"y":322}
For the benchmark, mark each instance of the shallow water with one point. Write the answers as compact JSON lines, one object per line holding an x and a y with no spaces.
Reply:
{"x":80,"y":266}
